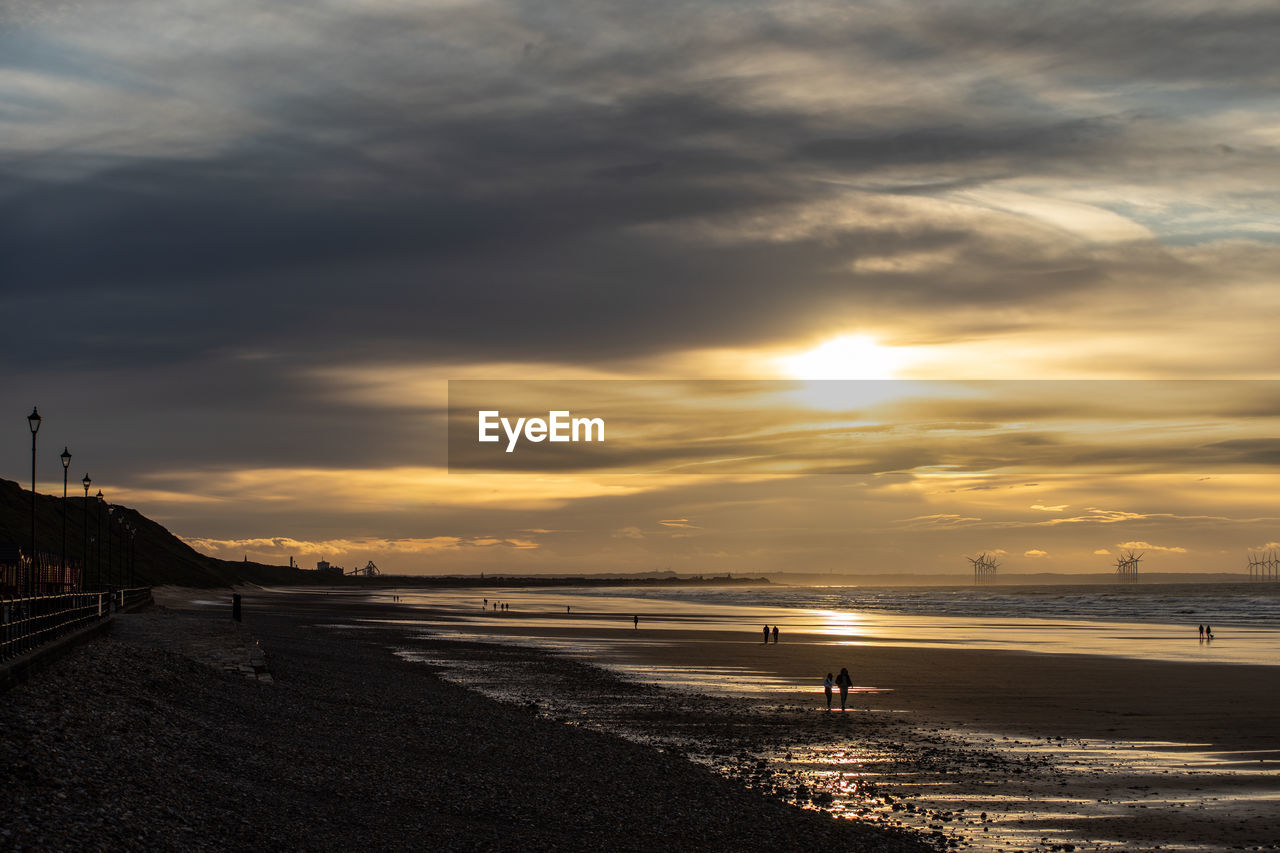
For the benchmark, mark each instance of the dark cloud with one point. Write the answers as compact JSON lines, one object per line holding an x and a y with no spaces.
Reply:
{"x":1206,"y":44}
{"x":218,"y":415}
{"x":203,"y":210}
{"x":1249,"y":451}
{"x":956,"y":144}
{"x":374,"y":196}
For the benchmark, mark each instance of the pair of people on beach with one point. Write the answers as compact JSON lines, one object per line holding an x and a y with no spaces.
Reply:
{"x":844,"y":681}
{"x":1206,"y":632}
{"x":775,"y":633}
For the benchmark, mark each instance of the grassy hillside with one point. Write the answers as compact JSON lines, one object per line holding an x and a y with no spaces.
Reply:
{"x":160,"y":557}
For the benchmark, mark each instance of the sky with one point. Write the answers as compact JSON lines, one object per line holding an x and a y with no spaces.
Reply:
{"x":245,"y":246}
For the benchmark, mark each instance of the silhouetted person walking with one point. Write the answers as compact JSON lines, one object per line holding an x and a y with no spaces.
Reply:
{"x":827,"y":684}
{"x":844,"y":682}
{"x":1202,"y":632}
{"x":635,"y":622}
{"x":775,"y":633}
{"x":766,"y":633}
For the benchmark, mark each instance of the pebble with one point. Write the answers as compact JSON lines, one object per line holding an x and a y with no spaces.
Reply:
{"x":161,"y":741}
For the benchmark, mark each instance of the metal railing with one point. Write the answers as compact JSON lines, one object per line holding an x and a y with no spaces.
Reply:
{"x":132,"y":598}
{"x":29,"y":622}
{"x":26,"y":623}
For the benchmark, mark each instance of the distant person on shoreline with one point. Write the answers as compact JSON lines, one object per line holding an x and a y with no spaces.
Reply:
{"x":635,"y":622}
{"x":844,"y":681}
{"x":766,"y":634}
{"x":1208,"y":632}
{"x":827,"y":684}
{"x":1202,"y":632}
{"x":775,"y":634}
{"x":567,"y":608}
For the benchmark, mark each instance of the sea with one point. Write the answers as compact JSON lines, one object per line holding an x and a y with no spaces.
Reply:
{"x":1141,"y":621}
{"x":1239,"y":604}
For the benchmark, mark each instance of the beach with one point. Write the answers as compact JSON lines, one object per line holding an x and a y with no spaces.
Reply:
{"x":396,"y":718}
{"x":164,"y":735}
{"x":1017,"y":750}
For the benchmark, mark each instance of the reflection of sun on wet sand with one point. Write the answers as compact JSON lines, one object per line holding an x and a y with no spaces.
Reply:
{"x":1127,"y":750}
{"x":1227,"y":705}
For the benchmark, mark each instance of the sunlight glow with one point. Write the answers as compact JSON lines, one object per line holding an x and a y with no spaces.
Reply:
{"x":839,"y":623}
{"x":845,"y":357}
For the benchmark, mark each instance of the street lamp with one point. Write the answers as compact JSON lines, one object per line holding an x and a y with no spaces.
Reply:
{"x":33,"y":421}
{"x":84,"y":545}
{"x":66,"y":462}
{"x":133,"y":532}
{"x":97,"y":573}
{"x":110,"y":568}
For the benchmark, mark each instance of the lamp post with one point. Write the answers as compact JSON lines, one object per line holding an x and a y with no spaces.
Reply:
{"x":33,"y":421}
{"x":133,"y":533}
{"x":97,"y":573}
{"x":110,"y":567}
{"x":84,"y":544}
{"x":62,"y":576}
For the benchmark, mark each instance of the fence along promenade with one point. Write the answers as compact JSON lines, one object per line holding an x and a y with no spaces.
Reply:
{"x":29,"y":621}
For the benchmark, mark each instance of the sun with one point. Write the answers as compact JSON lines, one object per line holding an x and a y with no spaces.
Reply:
{"x":845,"y":357}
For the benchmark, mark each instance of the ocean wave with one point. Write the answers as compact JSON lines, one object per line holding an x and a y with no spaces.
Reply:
{"x":1240,"y":605}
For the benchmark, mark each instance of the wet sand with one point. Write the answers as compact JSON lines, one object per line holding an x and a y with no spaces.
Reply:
{"x":992,"y":749}
{"x":1226,"y":706}
{"x":1229,"y":707}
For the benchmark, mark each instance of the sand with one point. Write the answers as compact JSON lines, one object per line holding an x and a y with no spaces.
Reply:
{"x":983,"y":749}
{"x":1093,"y":751}
{"x":143,"y":739}
{"x":1228,"y":707}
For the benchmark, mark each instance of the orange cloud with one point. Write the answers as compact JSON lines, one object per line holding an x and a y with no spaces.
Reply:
{"x":1147,"y":546}
{"x":285,"y":546}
